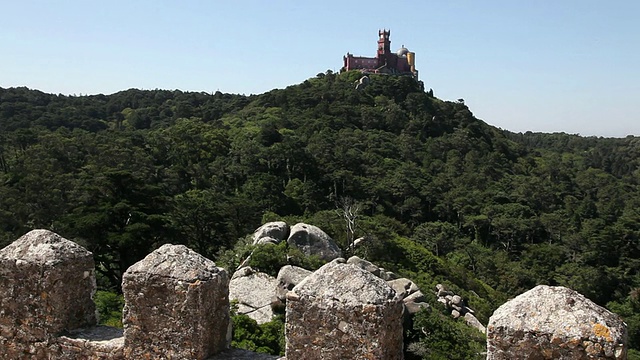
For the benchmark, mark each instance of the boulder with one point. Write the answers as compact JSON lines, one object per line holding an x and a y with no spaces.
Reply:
{"x":268,"y":240}
{"x":176,"y":306}
{"x":412,"y":308}
{"x":389,"y":275}
{"x":555,"y":323}
{"x":288,"y":277}
{"x":403,"y":287}
{"x":356,"y":243}
{"x":442,"y":291}
{"x":457,"y":300}
{"x":254,"y":292}
{"x":245,"y":271}
{"x":275,"y":230}
{"x":310,"y":240}
{"x":364,"y":264}
{"x":417,"y":296}
{"x":343,"y":312}
{"x":472,"y":321}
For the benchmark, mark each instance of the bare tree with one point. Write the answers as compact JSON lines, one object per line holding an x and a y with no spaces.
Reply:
{"x":349,"y":210}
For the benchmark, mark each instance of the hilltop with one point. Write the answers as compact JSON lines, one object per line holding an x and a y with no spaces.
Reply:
{"x":443,"y":197}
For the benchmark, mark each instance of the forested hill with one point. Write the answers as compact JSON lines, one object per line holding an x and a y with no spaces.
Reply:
{"x":124,"y":173}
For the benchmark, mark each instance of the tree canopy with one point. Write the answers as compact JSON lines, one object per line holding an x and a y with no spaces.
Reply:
{"x":441,"y":195}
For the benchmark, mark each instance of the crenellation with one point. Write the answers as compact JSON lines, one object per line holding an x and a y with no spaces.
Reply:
{"x":177,"y":307}
{"x":177,"y":304}
{"x":44,"y":291}
{"x":342,"y":311}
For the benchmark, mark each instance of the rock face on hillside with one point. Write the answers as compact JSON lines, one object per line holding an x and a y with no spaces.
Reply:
{"x":255,"y":292}
{"x":554,"y":323}
{"x":36,"y":299}
{"x":176,"y":304}
{"x":343,"y":312}
{"x":312,"y":241}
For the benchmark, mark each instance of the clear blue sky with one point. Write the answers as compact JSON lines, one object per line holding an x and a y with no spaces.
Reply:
{"x":545,"y":65}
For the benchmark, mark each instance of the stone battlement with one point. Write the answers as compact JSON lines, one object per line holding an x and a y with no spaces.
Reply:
{"x":177,"y":307}
{"x":176,"y":304}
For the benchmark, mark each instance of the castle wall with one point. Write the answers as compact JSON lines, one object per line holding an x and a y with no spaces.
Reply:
{"x":359,"y":62}
{"x":177,"y":307}
{"x":176,"y":304}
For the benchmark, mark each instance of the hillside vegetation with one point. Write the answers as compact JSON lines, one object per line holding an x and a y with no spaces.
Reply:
{"x":442,"y":197}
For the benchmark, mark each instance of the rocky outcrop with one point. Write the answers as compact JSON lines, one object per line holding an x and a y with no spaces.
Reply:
{"x":288,"y":277}
{"x":46,"y":287}
{"x":362,"y":83}
{"x":176,"y":304}
{"x":255,"y":293}
{"x":458,"y":308}
{"x":311,"y":240}
{"x":272,"y":232}
{"x":554,"y":323}
{"x":343,"y":312}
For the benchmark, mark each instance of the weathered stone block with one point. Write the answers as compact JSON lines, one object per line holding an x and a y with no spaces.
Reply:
{"x":343,"y":312}
{"x":177,"y":306}
{"x":46,"y":288}
{"x":555,"y":323}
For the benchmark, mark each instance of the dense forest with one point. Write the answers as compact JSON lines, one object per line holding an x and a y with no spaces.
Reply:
{"x":442,"y":197}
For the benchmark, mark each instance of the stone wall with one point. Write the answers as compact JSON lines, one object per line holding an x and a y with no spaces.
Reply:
{"x":176,"y":304}
{"x":177,"y":307}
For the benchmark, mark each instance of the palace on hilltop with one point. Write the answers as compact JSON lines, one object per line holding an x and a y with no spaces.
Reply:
{"x":401,"y":62}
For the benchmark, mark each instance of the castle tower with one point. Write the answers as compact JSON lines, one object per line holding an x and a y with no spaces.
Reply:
{"x":384,"y":44}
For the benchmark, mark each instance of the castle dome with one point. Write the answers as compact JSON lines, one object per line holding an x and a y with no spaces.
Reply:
{"x":403,"y":51}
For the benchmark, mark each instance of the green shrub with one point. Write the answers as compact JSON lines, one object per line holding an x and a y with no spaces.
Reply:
{"x":109,"y":306}
{"x":438,"y":336}
{"x":267,"y":338}
{"x":270,"y":258}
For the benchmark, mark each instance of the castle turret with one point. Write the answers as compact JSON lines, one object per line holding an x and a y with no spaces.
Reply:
{"x":384,"y":46}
